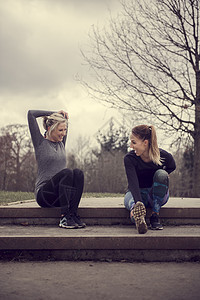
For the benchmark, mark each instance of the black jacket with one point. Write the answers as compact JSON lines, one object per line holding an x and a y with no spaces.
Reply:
{"x":140,"y":174}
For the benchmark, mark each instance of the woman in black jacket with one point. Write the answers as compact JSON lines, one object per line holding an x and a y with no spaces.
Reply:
{"x":147,"y":168}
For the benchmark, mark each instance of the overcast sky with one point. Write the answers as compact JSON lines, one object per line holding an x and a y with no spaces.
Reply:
{"x":40,"y":43}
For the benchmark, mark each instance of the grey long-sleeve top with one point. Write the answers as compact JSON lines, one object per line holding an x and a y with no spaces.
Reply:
{"x":50,"y":156}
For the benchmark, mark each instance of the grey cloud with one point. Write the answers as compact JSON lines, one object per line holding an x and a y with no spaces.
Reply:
{"x":33,"y":59}
{"x":39,"y":58}
{"x":39,"y":41}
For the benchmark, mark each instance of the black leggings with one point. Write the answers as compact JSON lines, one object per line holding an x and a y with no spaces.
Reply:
{"x":63,"y":190}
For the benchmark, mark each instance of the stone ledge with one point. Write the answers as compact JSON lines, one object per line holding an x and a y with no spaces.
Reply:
{"x":95,"y":216}
{"x":115,"y":243}
{"x":101,"y":242}
{"x":94,"y":212}
{"x":100,"y":211}
{"x":102,"y":255}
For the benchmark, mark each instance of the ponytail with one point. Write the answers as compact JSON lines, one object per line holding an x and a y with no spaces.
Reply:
{"x":154,"y":152}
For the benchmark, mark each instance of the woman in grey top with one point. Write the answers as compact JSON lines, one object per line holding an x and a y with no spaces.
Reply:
{"x":56,"y":186}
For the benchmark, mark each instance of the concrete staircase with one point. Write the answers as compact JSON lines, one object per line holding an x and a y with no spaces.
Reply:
{"x":32,"y":233}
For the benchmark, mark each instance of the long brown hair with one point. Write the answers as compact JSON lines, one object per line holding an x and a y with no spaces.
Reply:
{"x":145,"y":132}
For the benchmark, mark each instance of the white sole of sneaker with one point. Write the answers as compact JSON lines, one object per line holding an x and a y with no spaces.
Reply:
{"x":139,"y":213}
{"x":81,"y":226}
{"x":157,"y":228}
{"x":68,"y":227}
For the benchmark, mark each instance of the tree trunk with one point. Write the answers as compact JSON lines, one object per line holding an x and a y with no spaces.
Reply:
{"x":18,"y":177}
{"x":196,"y":178}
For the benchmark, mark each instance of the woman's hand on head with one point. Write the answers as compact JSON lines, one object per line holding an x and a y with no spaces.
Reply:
{"x":64,"y":113}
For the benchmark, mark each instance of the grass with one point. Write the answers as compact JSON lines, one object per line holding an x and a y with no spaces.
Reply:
{"x":9,"y":197}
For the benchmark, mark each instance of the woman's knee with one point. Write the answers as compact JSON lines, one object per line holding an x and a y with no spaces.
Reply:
{"x":66,"y":176}
{"x":161,"y":176}
{"x":66,"y":172}
{"x":78,"y":174}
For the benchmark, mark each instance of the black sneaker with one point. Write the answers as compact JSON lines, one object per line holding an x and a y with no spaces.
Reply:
{"x":154,"y":222}
{"x":68,"y":223}
{"x":139,"y":213}
{"x":78,"y":221}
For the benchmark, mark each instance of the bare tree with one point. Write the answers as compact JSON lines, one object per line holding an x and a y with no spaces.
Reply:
{"x":5,"y":160}
{"x":28,"y":172}
{"x":106,"y":173}
{"x":147,"y":61}
{"x":181,"y":181}
{"x":16,"y":152}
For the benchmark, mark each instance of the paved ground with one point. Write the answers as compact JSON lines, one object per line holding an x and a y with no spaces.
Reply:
{"x":99,"y":281}
{"x":128,"y":230}
{"x":117,"y":202}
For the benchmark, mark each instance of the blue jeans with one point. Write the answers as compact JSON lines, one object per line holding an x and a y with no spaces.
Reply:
{"x":153,"y":197}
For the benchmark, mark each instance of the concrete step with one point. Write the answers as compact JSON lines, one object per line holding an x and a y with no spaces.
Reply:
{"x":101,"y":211}
{"x":105,"y":243}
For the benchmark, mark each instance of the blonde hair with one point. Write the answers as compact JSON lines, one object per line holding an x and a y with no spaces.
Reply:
{"x":145,"y":132}
{"x":52,"y":122}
